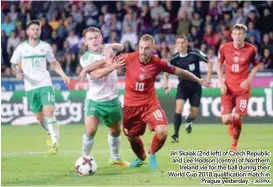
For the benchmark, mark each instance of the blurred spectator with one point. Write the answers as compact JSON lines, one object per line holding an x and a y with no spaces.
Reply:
{"x":55,"y":39}
{"x":8,"y":26}
{"x":211,"y":37}
{"x":24,"y":17}
{"x":267,"y":43}
{"x":13,"y":14}
{"x":13,"y":42}
{"x":200,"y":9}
{"x":4,"y":53}
{"x":247,"y":7}
{"x":130,"y":36}
{"x":46,"y":29}
{"x":54,"y":23}
{"x":77,"y":14}
{"x":194,"y":36}
{"x":72,"y":41}
{"x":183,"y":23}
{"x":167,"y":29}
{"x":265,"y":20}
{"x":187,"y":7}
{"x":267,"y":61}
{"x":116,"y":25}
{"x":157,"y":10}
{"x":197,"y":20}
{"x":114,"y":38}
{"x":61,"y":31}
{"x":213,"y":10}
{"x":120,"y":11}
{"x":145,"y":20}
{"x":90,"y":9}
{"x":252,"y":31}
{"x":129,"y":20}
{"x":239,"y":17}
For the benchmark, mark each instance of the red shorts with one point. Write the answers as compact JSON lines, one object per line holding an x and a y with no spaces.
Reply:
{"x":231,"y":100}
{"x":135,"y":118}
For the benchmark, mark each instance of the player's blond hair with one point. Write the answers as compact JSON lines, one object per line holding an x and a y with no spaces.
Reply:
{"x":147,"y":37}
{"x":90,"y":29}
{"x":181,"y":36}
{"x":239,"y":27}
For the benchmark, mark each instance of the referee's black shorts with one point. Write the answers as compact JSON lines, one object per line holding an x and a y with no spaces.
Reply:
{"x":191,"y":92}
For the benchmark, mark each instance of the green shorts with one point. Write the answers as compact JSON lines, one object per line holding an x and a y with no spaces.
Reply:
{"x":107,"y":112}
{"x":39,"y":97}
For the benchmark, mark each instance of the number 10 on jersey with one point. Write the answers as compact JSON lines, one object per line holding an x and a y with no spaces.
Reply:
{"x":139,"y":86}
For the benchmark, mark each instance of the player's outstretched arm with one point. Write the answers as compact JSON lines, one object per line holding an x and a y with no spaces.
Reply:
{"x":220,"y":69}
{"x":188,"y":75}
{"x":58,"y":69}
{"x":166,"y":83}
{"x":99,"y":73}
{"x":250,"y":77}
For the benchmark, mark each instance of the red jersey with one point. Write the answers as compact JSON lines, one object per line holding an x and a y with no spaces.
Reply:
{"x":140,"y":79}
{"x":237,"y":63}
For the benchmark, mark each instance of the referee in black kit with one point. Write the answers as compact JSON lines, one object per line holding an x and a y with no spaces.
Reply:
{"x":188,"y":60}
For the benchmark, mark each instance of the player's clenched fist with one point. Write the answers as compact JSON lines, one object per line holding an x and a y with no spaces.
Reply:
{"x":119,"y":61}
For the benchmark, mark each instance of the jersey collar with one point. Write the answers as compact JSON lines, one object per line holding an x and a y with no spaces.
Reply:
{"x":39,"y":41}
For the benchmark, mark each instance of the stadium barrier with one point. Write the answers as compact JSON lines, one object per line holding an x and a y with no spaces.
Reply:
{"x":70,"y":106}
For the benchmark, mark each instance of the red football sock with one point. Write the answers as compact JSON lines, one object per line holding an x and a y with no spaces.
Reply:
{"x":157,"y":143}
{"x":138,"y":147}
{"x":230,"y":129}
{"x":236,"y":132}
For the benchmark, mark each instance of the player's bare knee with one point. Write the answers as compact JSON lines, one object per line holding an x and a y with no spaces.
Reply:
{"x":162,"y":131}
{"x":48,"y":112}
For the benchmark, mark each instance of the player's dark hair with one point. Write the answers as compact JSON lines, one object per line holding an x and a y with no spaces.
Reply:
{"x":181,"y":36}
{"x":147,"y":37}
{"x":90,"y":29}
{"x":33,"y":22}
{"x":239,"y":27}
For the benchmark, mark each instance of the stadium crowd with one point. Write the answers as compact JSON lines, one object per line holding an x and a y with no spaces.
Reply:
{"x":207,"y":25}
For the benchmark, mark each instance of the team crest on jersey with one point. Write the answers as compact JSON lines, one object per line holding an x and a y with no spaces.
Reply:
{"x":236,"y":59}
{"x":192,"y":67}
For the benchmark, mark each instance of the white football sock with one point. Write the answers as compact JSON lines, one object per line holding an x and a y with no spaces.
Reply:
{"x":44,"y":125}
{"x":87,"y":144}
{"x":53,"y":129}
{"x":114,"y":144}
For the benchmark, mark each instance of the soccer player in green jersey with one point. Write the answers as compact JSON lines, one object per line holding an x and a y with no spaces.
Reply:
{"x":32,"y":56}
{"x":102,"y":103}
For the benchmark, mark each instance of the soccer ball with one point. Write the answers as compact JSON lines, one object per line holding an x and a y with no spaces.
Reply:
{"x":85,"y":165}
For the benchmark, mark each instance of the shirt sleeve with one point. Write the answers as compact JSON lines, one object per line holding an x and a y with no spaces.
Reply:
{"x":221,"y":57}
{"x":166,"y":67}
{"x":49,"y":55}
{"x":255,"y":60}
{"x":16,"y":56}
{"x":85,"y":60}
{"x":202,"y":56}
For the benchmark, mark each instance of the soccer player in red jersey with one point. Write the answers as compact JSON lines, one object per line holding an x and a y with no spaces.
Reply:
{"x":141,"y":105}
{"x":237,"y":56}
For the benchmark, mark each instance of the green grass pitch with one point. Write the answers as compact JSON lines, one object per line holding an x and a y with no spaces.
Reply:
{"x":25,"y":161}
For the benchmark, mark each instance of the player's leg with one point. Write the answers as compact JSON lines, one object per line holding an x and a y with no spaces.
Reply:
{"x":240,"y":111}
{"x":47,"y":97}
{"x":228,"y":103}
{"x":112,"y":118}
{"x":177,"y":119}
{"x":133,"y":128}
{"x":91,"y":126}
{"x":158,"y":123}
{"x":36,"y":107}
{"x":42,"y":121}
{"x":190,"y":118}
{"x":114,"y":141}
